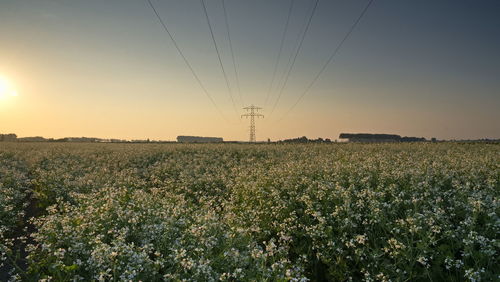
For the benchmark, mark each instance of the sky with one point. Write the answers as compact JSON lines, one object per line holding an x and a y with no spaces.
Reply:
{"x":107,"y":68}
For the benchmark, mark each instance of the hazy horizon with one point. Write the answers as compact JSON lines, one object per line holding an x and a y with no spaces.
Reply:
{"x":107,"y":69}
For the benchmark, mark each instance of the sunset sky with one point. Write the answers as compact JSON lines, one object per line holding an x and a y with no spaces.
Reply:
{"x":106,"y":68}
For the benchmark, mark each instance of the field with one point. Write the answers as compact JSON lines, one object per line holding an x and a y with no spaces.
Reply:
{"x":372,"y":212}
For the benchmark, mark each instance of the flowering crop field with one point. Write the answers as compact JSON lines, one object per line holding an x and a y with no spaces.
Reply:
{"x":239,"y":212}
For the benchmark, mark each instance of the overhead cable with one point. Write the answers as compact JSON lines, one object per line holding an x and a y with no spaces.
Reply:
{"x":218,"y":55}
{"x":232,"y":52}
{"x":283,"y":36}
{"x":164,"y":25}
{"x":295,"y":56}
{"x":330,"y":59}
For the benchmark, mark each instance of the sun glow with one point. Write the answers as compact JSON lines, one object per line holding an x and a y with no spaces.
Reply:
{"x":6,"y":88}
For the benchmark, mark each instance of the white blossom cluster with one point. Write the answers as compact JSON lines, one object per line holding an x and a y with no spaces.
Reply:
{"x":13,"y":192}
{"x":177,"y":212}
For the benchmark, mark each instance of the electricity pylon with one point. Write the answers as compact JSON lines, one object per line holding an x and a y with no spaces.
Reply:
{"x":252,"y":114}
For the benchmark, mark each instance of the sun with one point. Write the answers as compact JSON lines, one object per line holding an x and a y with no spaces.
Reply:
{"x":6,"y":88}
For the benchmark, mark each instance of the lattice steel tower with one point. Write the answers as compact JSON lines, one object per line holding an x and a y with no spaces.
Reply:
{"x":252,"y":114}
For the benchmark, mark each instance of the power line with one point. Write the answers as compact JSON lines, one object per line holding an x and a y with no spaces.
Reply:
{"x":280,"y":50}
{"x":185,"y":59}
{"x":298,"y":42}
{"x":218,"y":55}
{"x":232,"y":52}
{"x":330,"y":59}
{"x":295,"y":56}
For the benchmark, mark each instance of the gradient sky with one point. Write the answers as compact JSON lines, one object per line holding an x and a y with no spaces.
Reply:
{"x":106,"y":68}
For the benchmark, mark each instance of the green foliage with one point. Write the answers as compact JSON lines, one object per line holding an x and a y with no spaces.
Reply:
{"x":373,"y":212}
{"x":13,"y":192}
